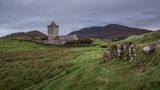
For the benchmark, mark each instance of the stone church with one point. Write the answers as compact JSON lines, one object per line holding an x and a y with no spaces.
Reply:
{"x":54,"y":38}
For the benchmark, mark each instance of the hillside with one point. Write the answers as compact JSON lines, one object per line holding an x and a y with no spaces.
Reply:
{"x":112,"y":31}
{"x":31,"y":66}
{"x":28,"y":35}
{"x":153,"y":37}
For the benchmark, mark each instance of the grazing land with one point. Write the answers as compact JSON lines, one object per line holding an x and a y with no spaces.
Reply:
{"x":26,"y":65}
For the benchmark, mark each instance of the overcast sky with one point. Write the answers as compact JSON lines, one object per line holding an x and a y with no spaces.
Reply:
{"x":71,"y":15}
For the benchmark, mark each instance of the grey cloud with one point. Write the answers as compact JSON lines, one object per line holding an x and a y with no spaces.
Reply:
{"x":25,"y":15}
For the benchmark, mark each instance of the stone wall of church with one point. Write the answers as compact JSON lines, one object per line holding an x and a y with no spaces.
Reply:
{"x":71,"y":37}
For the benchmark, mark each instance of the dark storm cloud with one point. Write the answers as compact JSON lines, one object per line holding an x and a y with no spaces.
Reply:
{"x":25,"y":15}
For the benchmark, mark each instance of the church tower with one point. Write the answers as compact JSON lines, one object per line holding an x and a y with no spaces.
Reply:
{"x":53,"y":31}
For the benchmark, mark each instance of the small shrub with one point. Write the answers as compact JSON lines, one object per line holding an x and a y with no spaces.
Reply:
{"x":118,"y":39}
{"x":103,"y":46}
{"x":77,"y":42}
{"x":43,"y":38}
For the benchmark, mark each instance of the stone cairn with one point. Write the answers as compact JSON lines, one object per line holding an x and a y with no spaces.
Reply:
{"x":132,"y":53}
{"x":106,"y":55}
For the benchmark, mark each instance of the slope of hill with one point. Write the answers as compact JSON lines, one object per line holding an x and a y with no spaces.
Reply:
{"x":58,"y":68}
{"x":28,"y":35}
{"x":112,"y":31}
{"x":36,"y":34}
{"x":153,"y":37}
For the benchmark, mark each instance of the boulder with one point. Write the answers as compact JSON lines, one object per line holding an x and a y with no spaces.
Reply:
{"x":149,"y":49}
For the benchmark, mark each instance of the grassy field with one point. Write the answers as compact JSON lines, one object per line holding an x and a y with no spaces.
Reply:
{"x":30,"y":66}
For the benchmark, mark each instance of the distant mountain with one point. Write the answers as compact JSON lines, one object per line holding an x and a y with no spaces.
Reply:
{"x":32,"y":35}
{"x":111,"y":31}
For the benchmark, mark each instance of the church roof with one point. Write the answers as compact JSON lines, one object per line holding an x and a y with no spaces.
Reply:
{"x":66,"y":38}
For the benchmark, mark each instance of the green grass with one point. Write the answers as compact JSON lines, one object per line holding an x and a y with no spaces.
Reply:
{"x":31,"y":66}
{"x":153,"y":37}
{"x":14,"y":46}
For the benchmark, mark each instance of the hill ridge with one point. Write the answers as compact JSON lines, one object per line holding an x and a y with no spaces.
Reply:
{"x":34,"y":34}
{"x":111,"y":31}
